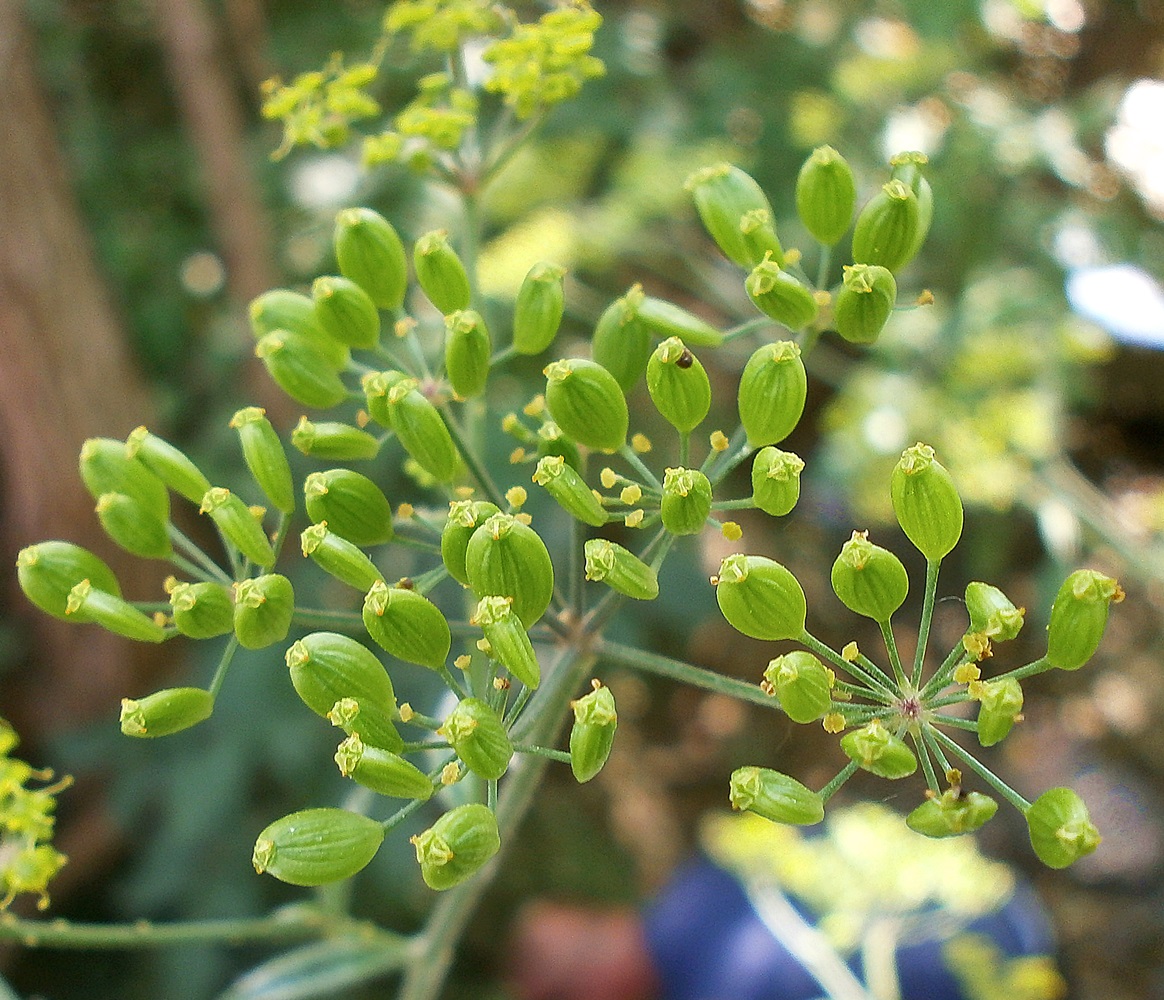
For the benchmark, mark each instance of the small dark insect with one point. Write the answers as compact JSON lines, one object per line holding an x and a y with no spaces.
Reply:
{"x":405,"y":583}
{"x":685,"y":359}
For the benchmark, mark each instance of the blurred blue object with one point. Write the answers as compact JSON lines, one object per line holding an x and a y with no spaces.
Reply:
{"x":1122,"y":298}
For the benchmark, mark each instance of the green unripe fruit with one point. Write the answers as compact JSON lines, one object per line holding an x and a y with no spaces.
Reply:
{"x":952,"y":813}
{"x":384,"y":772}
{"x":868,"y":579}
{"x":371,"y":254}
{"x":407,"y":624}
{"x":440,"y":273}
{"x":133,"y":526}
{"x":622,"y":342}
{"x":802,"y":684}
{"x":780,"y":295}
{"x":346,"y":312}
{"x":353,"y":506}
{"x":457,"y":845}
{"x":592,"y":734}
{"x":564,"y":484}
{"x":238,"y":525}
{"x":864,"y":303}
{"x":760,"y":598}
{"x":48,"y":571}
{"x":991,"y":612}
{"x":87,"y":604}
{"x":906,"y":167}
{"x":201,"y":610}
{"x":773,"y":389}
{"x":317,"y":846}
{"x":678,"y":384}
{"x":478,"y":735}
{"x":288,"y":311}
{"x":686,"y":502}
{"x":826,"y":195}
{"x":339,"y":557}
{"x":265,"y":457}
{"x":509,"y":643}
{"x":877,"y":750}
{"x":169,"y":464}
{"x":334,"y":441}
{"x":508,"y":559}
{"x":301,"y":370}
{"x":1060,"y":828}
{"x":467,"y":350}
{"x":587,"y":403}
{"x":887,"y":229}
{"x":1079,"y":617}
{"x":926,"y":502}
{"x":465,"y":517}
{"x":537,"y":314}
{"x":775,"y":796}
{"x":165,"y":712}
{"x":106,"y":467}
{"x":1002,"y":706}
{"x":620,"y":569}
{"x":376,"y":386}
{"x":727,"y":199}
{"x":422,"y":431}
{"x":263,"y":609}
{"x":776,"y":480}
{"x":664,"y":319}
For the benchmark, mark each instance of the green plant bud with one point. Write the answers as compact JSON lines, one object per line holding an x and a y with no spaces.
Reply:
{"x":776,"y":480}
{"x":285,"y":310}
{"x":926,"y":502}
{"x":384,"y":772}
{"x":887,"y":229}
{"x":678,"y":384}
{"x":876,"y":749}
{"x":1079,"y":617}
{"x":339,"y":557}
{"x":238,"y":525}
{"x":864,"y":303}
{"x":106,"y":467}
{"x":370,"y":253}
{"x":133,"y":526}
{"x":376,"y":386}
{"x":457,"y":845}
{"x":346,"y":312}
{"x":334,"y":441}
{"x":686,"y":502}
{"x":537,"y":313}
{"x":478,"y":735}
{"x":86,"y":603}
{"x":1002,"y":706}
{"x":169,"y":464}
{"x":991,"y":612}
{"x":48,"y":571}
{"x":665,"y":319}
{"x":407,"y":624}
{"x":509,"y":642}
{"x":775,"y":796}
{"x":165,"y":712}
{"x":592,"y":734}
{"x":567,"y":487}
{"x":868,"y":579}
{"x":802,"y":684}
{"x":467,"y":349}
{"x":723,"y":195}
{"x":328,"y":668}
{"x":780,"y":295}
{"x":265,"y":457}
{"x":620,"y":569}
{"x":1060,"y":828}
{"x":760,"y":598}
{"x":465,"y":517}
{"x":952,"y":813}
{"x":906,"y":167}
{"x":422,"y":431}
{"x":317,"y":846}
{"x":353,"y":506}
{"x":826,"y":195}
{"x":507,"y":558}
{"x":440,"y":273}
{"x":622,"y":342}
{"x":301,"y":370}
{"x":773,"y":388}
{"x":201,"y":610}
{"x":587,"y":403}
{"x":263,"y":609}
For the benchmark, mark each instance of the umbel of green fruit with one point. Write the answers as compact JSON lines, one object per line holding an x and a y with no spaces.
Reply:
{"x":926,"y":502}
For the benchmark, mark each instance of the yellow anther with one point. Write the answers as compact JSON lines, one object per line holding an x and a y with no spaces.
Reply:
{"x":719,"y":441}
{"x":525,"y":519}
{"x":850,"y":652}
{"x":451,"y":773}
{"x":608,"y":478}
{"x":517,"y":455}
{"x":631,"y":495}
{"x":732,"y":531}
{"x":406,"y":712}
{"x":834,"y":722}
{"x":641,"y":444}
{"x":634,"y":518}
{"x":516,"y":496}
{"x":535,"y":407}
{"x":463,"y":662}
{"x":967,"y":673}
{"x":405,"y":511}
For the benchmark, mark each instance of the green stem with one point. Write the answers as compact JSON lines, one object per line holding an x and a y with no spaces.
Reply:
{"x":478,"y":471}
{"x":402,"y":814}
{"x":627,"y":452}
{"x":992,"y":779}
{"x":954,"y":721}
{"x":923,"y":754}
{"x":841,"y":777}
{"x":548,"y":752}
{"x":891,"y":649}
{"x":743,"y":329}
{"x":923,"y":636}
{"x":942,"y":677}
{"x":876,"y":687}
{"x":223,"y":667}
{"x":684,"y":448}
{"x":744,"y":503}
{"x":1039,"y":666}
{"x":875,"y":670}
{"x":192,"y":549}
{"x":822,"y":266}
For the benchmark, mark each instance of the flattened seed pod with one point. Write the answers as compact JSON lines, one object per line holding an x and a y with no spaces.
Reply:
{"x":86,"y":603}
{"x":864,"y":303}
{"x":887,"y":229}
{"x":776,"y":480}
{"x":775,"y":796}
{"x":926,"y":502}
{"x":564,"y":484}
{"x":376,"y":386}
{"x":868,"y":579}
{"x":780,"y":295}
{"x":334,"y":441}
{"x":802,"y":684}
{"x":371,"y":254}
{"x":407,"y":624}
{"x":509,"y":643}
{"x":264,"y":455}
{"x":169,"y":464}
{"x":773,"y":389}
{"x":238,"y":525}
{"x":507,"y":558}
{"x":263,"y":609}
{"x":467,"y":350}
{"x":346,"y":312}
{"x":826,"y":195}
{"x":384,"y":772}
{"x":592,"y":734}
{"x":202,"y":610}
{"x":622,"y":342}
{"x":301,"y":369}
{"x":317,"y":846}
{"x":283,"y":309}
{"x":353,"y":506}
{"x":165,"y":712}
{"x":665,"y":319}
{"x":457,"y":845}
{"x":440,"y":273}
{"x":537,"y":314}
{"x":724,"y":196}
{"x":133,"y":526}
{"x":339,"y":557}
{"x":620,"y":569}
{"x":1060,"y":828}
{"x":587,"y":403}
{"x":422,"y":431}
{"x":48,"y":571}
{"x":1002,"y":705}
{"x":686,"y":502}
{"x":760,"y":598}
{"x":678,"y":384}
{"x":465,"y":517}
{"x":877,"y":750}
{"x":106,"y":467}
{"x":952,"y":813}
{"x":477,"y":734}
{"x":1079,"y":617}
